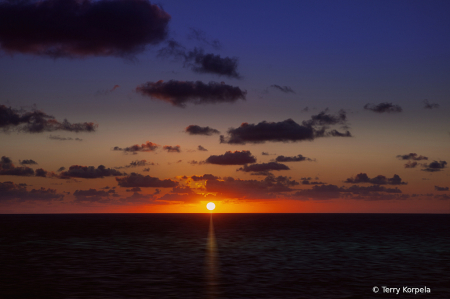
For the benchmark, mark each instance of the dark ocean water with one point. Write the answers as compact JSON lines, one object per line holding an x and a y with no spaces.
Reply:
{"x":232,"y":256}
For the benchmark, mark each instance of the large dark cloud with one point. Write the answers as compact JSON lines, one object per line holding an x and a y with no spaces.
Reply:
{"x":232,"y":158}
{"x":8,"y":168}
{"x":263,"y":168}
{"x":38,"y":122}
{"x":428,"y":105}
{"x":138,"y":180}
{"x":145,"y":147}
{"x":180,"y":93}
{"x":383,"y":107}
{"x":197,"y":130}
{"x":297,"y":158}
{"x":378,"y":180}
{"x":12,"y":191}
{"x":412,"y":156}
{"x":89,"y":172}
{"x":72,"y":28}
{"x":435,"y":166}
{"x":285,"y":89}
{"x":287,"y":130}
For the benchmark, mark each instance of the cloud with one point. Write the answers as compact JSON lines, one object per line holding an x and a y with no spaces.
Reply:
{"x":383,"y":107}
{"x":437,"y":188}
{"x":145,"y":147}
{"x":38,"y":122}
{"x":285,"y":89}
{"x":72,"y":28}
{"x":61,"y":169}
{"x":378,"y":180}
{"x":263,"y":168}
{"x":308,"y":182}
{"x":41,"y":172}
{"x":172,"y":149}
{"x":429,"y":105}
{"x":412,"y":156}
{"x":137,"y":163}
{"x":138,"y":180}
{"x":12,"y":191}
{"x":442,"y":197}
{"x":411,"y":164}
{"x":93,"y":195}
{"x":89,"y":172}
{"x":435,"y":166}
{"x":57,"y":137}
{"x":287,"y":130}
{"x":204,"y":177}
{"x":27,"y":162}
{"x":8,"y":168}
{"x":297,"y":158}
{"x":180,"y":93}
{"x":232,"y":158}
{"x":199,"y":35}
{"x":182,"y":194}
{"x":197,"y":130}
{"x":201,"y":148}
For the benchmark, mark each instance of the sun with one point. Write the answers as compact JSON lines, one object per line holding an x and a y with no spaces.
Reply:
{"x":210,"y":206}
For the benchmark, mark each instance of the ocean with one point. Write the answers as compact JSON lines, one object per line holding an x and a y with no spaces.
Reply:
{"x":225,"y":256}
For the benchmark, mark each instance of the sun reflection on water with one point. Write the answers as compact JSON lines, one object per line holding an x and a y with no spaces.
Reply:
{"x":212,"y":277}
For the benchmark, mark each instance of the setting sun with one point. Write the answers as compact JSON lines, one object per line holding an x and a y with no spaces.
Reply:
{"x":210,"y":206}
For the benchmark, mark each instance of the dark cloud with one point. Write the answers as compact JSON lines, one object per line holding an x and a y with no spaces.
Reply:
{"x":264,"y":153}
{"x":383,"y":107}
{"x":89,"y":172}
{"x":180,"y":93}
{"x":297,"y":158}
{"x":435,"y":166}
{"x":41,"y":172}
{"x":197,"y":130}
{"x":232,"y":158}
{"x":137,"y":163}
{"x":308,"y":182}
{"x":263,"y":168}
{"x":8,"y":168}
{"x":145,"y":147}
{"x":204,"y":177}
{"x":285,"y":89}
{"x":72,"y":28}
{"x":412,"y":156}
{"x":201,"y":148}
{"x":61,"y":169}
{"x":57,"y":137}
{"x":12,"y":191}
{"x":146,"y":169}
{"x":411,"y":164}
{"x":199,"y":35}
{"x":138,"y":180}
{"x":336,"y":133}
{"x":437,"y":188}
{"x":27,"y":162}
{"x":269,"y":188}
{"x":428,"y":105}
{"x":378,"y":180}
{"x":172,"y":149}
{"x":38,"y":122}
{"x":287,"y":130}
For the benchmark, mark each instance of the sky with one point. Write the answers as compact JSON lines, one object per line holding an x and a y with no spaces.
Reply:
{"x":131,"y":106}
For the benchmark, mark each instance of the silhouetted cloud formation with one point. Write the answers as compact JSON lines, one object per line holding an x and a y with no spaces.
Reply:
{"x":285,"y":131}
{"x":61,"y":169}
{"x":435,"y":166}
{"x":138,"y":180}
{"x":137,"y":163}
{"x":383,"y":107}
{"x":145,"y":147}
{"x":204,"y":177}
{"x":89,"y":172}
{"x":8,"y":168}
{"x":172,"y":149}
{"x":72,"y":28}
{"x":200,"y":35}
{"x":263,"y":168}
{"x":308,"y":182}
{"x":27,"y":162}
{"x":437,"y":188}
{"x":285,"y":89}
{"x":197,"y":130}
{"x":411,"y":164}
{"x":378,"y":180}
{"x":232,"y":158}
{"x":57,"y":137}
{"x":428,"y":105}
{"x":412,"y":156}
{"x":297,"y":158}
{"x":12,"y":191}
{"x":38,"y":122}
{"x":201,"y":148}
{"x":180,"y":93}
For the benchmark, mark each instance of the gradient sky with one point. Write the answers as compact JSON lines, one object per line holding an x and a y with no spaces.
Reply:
{"x":291,"y":106}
